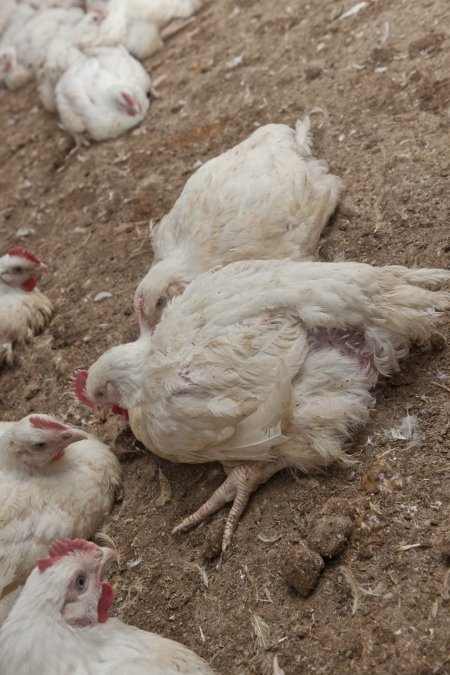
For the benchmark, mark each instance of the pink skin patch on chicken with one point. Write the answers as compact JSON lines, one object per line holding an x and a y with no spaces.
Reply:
{"x":350,"y":343}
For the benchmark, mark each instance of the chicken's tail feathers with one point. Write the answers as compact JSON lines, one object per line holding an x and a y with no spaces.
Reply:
{"x":303,"y":135}
{"x":425,"y":278}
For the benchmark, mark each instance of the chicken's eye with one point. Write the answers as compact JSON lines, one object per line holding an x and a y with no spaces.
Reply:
{"x":18,"y":270}
{"x":40,"y":446}
{"x":80,"y":583}
{"x":99,"y":394}
{"x":160,"y":302}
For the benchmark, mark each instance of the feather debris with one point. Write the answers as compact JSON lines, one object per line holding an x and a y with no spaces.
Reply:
{"x":165,"y":490}
{"x":197,"y":568}
{"x":408,"y":429}
{"x":353,"y":10}
{"x":357,"y":590}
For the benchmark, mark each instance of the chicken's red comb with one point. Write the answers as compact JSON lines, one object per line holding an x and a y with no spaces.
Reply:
{"x":23,"y":253}
{"x":59,"y":549}
{"x":78,"y":387}
{"x":41,"y":422}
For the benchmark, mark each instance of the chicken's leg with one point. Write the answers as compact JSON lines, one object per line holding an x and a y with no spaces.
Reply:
{"x":154,"y":86}
{"x":81,"y":141}
{"x":175,"y":27}
{"x":237,"y":488}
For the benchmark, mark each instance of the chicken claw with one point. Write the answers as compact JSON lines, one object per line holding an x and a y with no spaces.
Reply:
{"x":155,"y":84}
{"x":242,"y":481}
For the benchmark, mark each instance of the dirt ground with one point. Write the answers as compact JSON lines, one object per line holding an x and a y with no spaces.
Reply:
{"x":378,"y":86}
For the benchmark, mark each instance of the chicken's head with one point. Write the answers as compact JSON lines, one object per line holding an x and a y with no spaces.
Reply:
{"x":105,"y":396}
{"x":7,"y":60}
{"x":95,"y":16}
{"x":152,"y":297}
{"x":113,"y":382}
{"x":75,"y":570}
{"x":38,"y":440}
{"x":20,"y":268}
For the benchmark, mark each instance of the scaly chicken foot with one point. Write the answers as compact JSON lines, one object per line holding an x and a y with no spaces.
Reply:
{"x":81,"y":141}
{"x":239,"y":485}
{"x":175,"y":26}
{"x":154,"y":86}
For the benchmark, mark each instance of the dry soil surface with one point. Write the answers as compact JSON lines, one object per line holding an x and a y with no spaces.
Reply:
{"x":378,"y":86}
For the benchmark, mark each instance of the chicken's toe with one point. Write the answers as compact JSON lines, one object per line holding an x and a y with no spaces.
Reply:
{"x":155,"y":84}
{"x":237,"y":488}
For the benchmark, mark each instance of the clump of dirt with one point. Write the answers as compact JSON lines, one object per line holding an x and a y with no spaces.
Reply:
{"x":301,"y":569}
{"x":376,"y":85}
{"x":329,"y":534}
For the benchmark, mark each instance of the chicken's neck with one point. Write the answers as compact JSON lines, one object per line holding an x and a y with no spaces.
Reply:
{"x":10,"y":291}
{"x":10,"y":460}
{"x":184,"y":264}
{"x":129,"y":371}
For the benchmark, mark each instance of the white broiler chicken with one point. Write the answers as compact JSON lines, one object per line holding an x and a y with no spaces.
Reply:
{"x":94,"y":29}
{"x":12,"y":73}
{"x":267,"y":197}
{"x":30,"y":42}
{"x":60,"y":625}
{"x":144,"y":23}
{"x":263,"y":365}
{"x":55,"y":481}
{"x":158,"y":12}
{"x":141,"y":38}
{"x":24,"y":310}
{"x":103,"y":95}
{"x":61,"y":55}
{"x":7,"y":9}
{"x":62,"y":4}
{"x":99,"y":29}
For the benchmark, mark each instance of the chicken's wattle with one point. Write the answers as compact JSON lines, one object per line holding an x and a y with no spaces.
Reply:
{"x":29,"y":284}
{"x":105,"y":602}
{"x":117,"y":410}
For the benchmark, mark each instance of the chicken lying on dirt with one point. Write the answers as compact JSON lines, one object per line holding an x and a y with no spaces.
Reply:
{"x":263,"y":365}
{"x":24,"y":310}
{"x":103,"y":95}
{"x":158,"y":12}
{"x":60,"y":626}
{"x":144,"y":22}
{"x":55,"y":481}
{"x":26,"y":46}
{"x":267,"y":197}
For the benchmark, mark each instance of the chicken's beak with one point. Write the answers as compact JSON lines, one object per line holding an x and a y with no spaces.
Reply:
{"x":102,"y":413}
{"x":72,"y":436}
{"x":39,"y":271}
